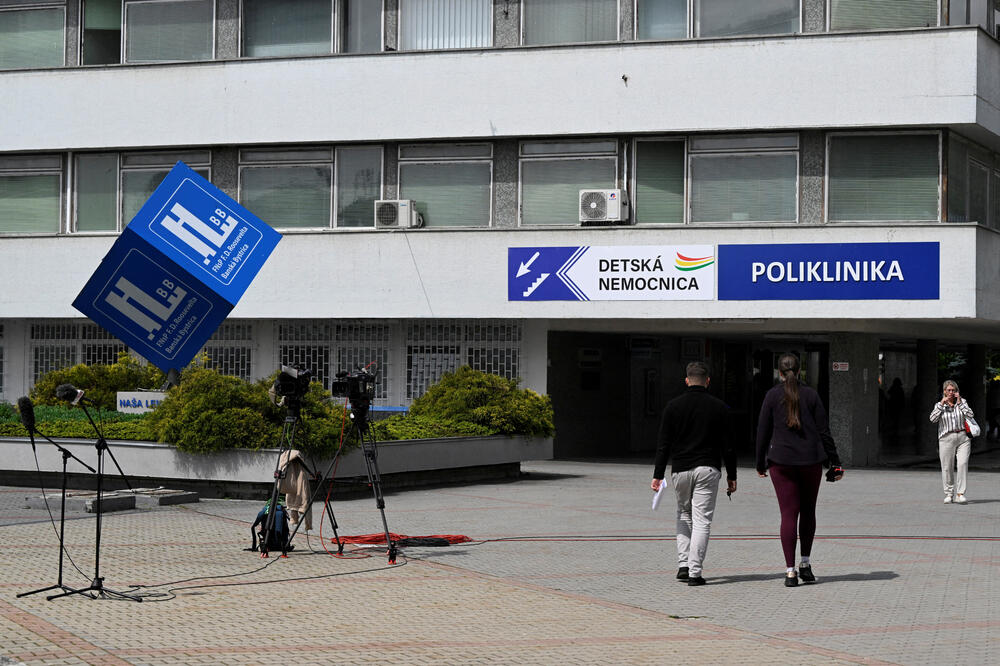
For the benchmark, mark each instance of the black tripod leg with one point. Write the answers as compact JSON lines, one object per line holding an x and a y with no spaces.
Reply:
{"x":287,"y":439}
{"x":375,"y":481}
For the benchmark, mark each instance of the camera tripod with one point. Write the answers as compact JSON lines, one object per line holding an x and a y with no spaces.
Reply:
{"x":293,"y":417}
{"x":360,"y":426}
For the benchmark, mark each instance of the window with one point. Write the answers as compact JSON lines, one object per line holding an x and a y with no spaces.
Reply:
{"x":562,"y":21}
{"x":102,"y":32}
{"x":56,"y":345}
{"x":744,"y":178}
{"x":30,"y":194}
{"x":450,"y":184}
{"x":287,"y":27}
{"x":230,"y":350}
{"x":883,"y":177}
{"x":554,"y":172}
{"x":169,"y":30}
{"x":112,"y":187}
{"x":276,"y":28}
{"x":444,"y":24}
{"x":728,"y":18}
{"x":862,"y":14}
{"x":359,"y":185}
{"x":32,"y":37}
{"x":995,"y":200}
{"x":292,"y":188}
{"x":661,"y":19}
{"x":659,"y":182}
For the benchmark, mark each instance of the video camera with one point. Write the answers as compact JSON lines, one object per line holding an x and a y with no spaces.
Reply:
{"x":292,"y":382}
{"x":358,"y":386}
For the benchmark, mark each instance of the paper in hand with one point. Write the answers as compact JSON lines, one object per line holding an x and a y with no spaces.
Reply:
{"x":658,"y":495}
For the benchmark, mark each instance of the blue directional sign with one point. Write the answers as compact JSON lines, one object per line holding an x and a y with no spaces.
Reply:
{"x":611,"y":273}
{"x":177,"y":269}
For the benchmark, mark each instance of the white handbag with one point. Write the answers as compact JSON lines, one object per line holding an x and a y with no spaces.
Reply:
{"x":971,"y":427}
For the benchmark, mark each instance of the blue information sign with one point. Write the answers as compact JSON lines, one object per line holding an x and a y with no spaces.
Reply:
{"x":177,"y":270}
{"x":829,"y":271}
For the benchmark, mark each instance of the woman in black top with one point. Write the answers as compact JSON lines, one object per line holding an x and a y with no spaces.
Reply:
{"x":793,"y":441}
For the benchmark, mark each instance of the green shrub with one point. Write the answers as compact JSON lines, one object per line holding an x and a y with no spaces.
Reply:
{"x":65,"y":421}
{"x":101,"y":382}
{"x":491,"y":401}
{"x":425,"y":427}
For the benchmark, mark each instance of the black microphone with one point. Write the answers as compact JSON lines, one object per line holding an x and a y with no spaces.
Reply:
{"x":27,"y":412}
{"x":69,"y":393}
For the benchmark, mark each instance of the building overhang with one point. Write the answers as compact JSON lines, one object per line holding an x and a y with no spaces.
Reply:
{"x":935,"y":77}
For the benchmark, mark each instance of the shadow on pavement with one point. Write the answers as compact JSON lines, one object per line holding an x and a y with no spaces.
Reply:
{"x":860,"y":577}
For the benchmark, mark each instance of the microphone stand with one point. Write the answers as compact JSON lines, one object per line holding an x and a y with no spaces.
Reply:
{"x":66,"y":455}
{"x":97,"y":585}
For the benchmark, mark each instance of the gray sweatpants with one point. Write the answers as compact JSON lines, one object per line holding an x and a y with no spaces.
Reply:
{"x":696,"y":491}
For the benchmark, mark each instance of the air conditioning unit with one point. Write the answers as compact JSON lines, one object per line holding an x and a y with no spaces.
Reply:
{"x":397,"y":214}
{"x":603,"y":207}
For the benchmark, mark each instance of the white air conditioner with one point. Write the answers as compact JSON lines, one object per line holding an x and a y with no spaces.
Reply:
{"x":599,"y":207}
{"x":397,"y":214}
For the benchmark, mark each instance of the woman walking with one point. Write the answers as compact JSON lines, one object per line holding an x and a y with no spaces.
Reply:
{"x":793,"y":442}
{"x":954,"y":443}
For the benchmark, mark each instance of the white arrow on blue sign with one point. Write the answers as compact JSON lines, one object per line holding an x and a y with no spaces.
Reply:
{"x":611,"y":273}
{"x":177,"y":269}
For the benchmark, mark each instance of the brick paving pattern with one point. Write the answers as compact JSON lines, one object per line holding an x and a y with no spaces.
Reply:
{"x":568,"y":565}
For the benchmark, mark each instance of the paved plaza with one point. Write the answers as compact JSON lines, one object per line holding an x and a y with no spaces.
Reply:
{"x":567,"y":565}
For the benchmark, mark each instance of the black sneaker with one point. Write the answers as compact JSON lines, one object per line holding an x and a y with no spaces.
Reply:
{"x":682,"y":573}
{"x":695,"y":580}
{"x":806,"y":573}
{"x":791,"y":580}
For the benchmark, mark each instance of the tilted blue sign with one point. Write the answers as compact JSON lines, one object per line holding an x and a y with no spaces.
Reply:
{"x":829,"y":271}
{"x":177,"y":270}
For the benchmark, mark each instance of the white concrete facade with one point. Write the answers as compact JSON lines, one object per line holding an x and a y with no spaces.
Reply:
{"x":942,"y":81}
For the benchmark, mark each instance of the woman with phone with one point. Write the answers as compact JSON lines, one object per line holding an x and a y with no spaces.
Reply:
{"x":954,"y":443}
{"x":793,"y":442}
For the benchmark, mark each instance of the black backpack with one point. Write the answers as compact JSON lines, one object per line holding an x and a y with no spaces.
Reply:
{"x":279,"y":536}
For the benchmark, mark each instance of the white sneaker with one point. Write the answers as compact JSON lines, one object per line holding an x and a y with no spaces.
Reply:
{"x":947,"y":499}
{"x":960,"y":499}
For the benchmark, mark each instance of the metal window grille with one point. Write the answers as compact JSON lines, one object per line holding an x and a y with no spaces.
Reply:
{"x":230,"y":350}
{"x":436,"y":347}
{"x":308,"y":344}
{"x":361,"y":345}
{"x":57,"y":345}
{"x":1,"y":360}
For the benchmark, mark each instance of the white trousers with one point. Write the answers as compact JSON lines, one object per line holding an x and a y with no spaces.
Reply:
{"x":696,"y":491}
{"x":955,"y":446}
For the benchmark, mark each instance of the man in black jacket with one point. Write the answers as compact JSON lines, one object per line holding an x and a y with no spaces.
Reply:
{"x":695,"y":439}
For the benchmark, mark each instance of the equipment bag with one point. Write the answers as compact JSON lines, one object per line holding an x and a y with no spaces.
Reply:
{"x":279,"y":536}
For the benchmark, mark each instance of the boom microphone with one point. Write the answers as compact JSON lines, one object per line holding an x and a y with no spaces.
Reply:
{"x":69,"y":393}
{"x":27,"y":412}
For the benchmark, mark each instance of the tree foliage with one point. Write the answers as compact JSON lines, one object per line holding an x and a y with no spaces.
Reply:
{"x":101,"y":382}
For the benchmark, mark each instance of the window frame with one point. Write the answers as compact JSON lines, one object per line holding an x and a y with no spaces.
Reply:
{"x":242,"y":164}
{"x":693,"y":25}
{"x":688,"y":27}
{"x":942,"y":200}
{"x":167,"y":163}
{"x":490,"y":29}
{"x":337,"y":33}
{"x":830,"y":28}
{"x":692,"y":154}
{"x":634,"y":180}
{"x":335,"y":211}
{"x":443,"y":159}
{"x":39,"y":6}
{"x":123,"y":56}
{"x":39,"y":170}
{"x":594,"y":155}
{"x":616,"y":38}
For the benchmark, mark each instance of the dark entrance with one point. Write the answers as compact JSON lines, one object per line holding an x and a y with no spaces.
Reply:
{"x":608,"y":389}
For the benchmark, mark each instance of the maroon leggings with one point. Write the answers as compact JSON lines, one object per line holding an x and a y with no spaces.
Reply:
{"x":797,"y":487}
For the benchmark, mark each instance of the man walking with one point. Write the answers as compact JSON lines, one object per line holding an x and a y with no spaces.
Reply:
{"x":695,"y":439}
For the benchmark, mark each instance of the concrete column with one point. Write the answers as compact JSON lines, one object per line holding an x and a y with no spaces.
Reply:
{"x":534,"y":361}
{"x":854,"y":398}
{"x":926,"y":393}
{"x":974,"y":381}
